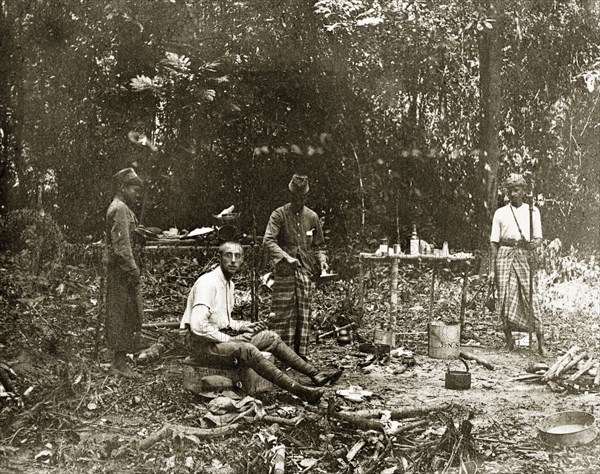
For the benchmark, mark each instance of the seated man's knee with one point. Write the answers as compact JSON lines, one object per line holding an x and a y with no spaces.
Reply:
{"x":270,"y":339}
{"x":248,"y":351}
{"x":271,"y":335}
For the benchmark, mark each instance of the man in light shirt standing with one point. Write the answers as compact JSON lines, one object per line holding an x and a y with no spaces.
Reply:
{"x":217,"y":339}
{"x":511,"y":254}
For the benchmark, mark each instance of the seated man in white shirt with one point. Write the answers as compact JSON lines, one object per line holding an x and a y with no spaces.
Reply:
{"x":223,"y":341}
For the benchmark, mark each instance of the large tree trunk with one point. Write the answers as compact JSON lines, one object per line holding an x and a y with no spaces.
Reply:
{"x":11,"y":96}
{"x":490,"y":92}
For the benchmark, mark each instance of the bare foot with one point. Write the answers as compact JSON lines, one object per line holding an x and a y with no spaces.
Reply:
{"x":542,"y":350}
{"x":124,"y":371}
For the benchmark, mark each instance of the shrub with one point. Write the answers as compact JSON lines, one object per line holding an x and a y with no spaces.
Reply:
{"x":34,"y":238}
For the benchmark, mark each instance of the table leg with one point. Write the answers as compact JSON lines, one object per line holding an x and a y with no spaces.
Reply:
{"x":361,"y":290}
{"x":394,"y":295}
{"x":432,"y":292}
{"x":463,"y":298}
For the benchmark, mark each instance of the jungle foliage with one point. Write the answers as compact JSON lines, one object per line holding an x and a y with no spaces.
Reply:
{"x":218,"y":103}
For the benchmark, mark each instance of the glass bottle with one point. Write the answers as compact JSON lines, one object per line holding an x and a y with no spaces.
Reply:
{"x":414,"y":241}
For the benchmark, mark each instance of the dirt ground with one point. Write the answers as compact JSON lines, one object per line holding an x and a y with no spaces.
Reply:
{"x":504,"y":415}
{"x":78,"y":416}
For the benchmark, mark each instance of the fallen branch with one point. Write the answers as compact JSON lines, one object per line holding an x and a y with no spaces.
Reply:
{"x":166,"y":324}
{"x":27,"y":418}
{"x":479,"y":360}
{"x":274,"y":419}
{"x":416,"y":447}
{"x":356,"y":421}
{"x":411,"y":426}
{"x":410,"y":412}
{"x":402,"y":413}
{"x":278,"y":461}
{"x":168,"y":431}
{"x":276,"y":430}
{"x":528,"y":378}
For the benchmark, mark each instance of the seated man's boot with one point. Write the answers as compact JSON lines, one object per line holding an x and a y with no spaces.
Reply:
{"x":266,"y":369}
{"x":309,"y":394}
{"x":324,"y":377}
{"x":286,"y":355}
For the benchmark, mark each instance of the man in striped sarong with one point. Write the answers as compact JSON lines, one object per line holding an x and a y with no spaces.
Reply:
{"x":294,"y":239}
{"x":511,"y":255}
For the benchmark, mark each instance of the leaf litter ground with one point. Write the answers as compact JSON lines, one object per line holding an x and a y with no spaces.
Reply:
{"x":77,"y":416}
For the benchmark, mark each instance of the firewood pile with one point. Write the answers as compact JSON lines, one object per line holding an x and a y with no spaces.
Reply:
{"x":575,"y":370}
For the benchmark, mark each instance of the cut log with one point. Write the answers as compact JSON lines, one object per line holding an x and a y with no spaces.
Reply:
{"x":479,"y":360}
{"x":572,"y":363}
{"x":587,"y":366}
{"x":560,"y":363}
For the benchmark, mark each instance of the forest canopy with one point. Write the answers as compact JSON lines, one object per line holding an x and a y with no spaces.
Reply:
{"x":400,"y":112}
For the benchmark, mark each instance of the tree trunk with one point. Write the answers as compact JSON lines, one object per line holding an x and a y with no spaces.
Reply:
{"x":12,"y":96}
{"x":490,"y":93}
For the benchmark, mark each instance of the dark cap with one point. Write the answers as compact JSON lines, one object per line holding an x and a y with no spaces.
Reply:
{"x":127,"y":177}
{"x":299,"y":184}
{"x":515,"y":180}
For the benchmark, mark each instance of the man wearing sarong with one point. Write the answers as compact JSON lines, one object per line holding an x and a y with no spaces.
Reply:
{"x":124,"y":307}
{"x":511,"y":256}
{"x":227,"y":342}
{"x":294,"y":239}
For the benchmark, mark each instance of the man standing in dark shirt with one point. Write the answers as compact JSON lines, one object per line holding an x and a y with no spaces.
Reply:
{"x":124,"y":308}
{"x":295,"y":242}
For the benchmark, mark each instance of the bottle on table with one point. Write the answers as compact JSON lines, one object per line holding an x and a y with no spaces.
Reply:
{"x":414,"y":241}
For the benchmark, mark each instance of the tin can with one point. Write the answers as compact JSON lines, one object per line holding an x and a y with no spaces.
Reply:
{"x":383,"y":246}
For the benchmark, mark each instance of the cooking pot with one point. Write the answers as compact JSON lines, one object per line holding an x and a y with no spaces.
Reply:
{"x":458,"y":379}
{"x":568,"y":428}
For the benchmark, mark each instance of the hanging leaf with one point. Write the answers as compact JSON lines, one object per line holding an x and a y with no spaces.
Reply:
{"x":143,"y":83}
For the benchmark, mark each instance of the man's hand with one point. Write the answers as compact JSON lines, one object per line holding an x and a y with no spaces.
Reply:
{"x":292,"y":261}
{"x":492,"y":277}
{"x":244,"y":337}
{"x":254,"y":327}
{"x":535,"y":243}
